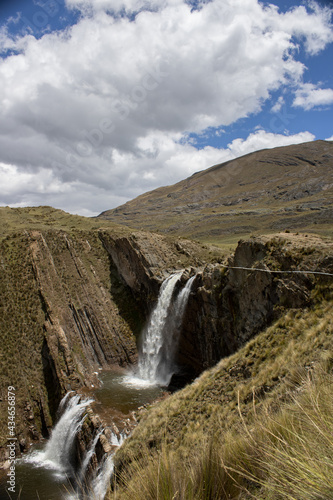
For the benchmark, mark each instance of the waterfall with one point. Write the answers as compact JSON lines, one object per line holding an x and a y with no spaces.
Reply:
{"x":101,"y":482}
{"x":156,"y":363}
{"x":153,"y":338}
{"x":89,"y":453}
{"x":57,"y":453}
{"x":170,"y":332}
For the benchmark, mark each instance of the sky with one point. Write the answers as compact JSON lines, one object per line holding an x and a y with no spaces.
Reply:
{"x":102,"y":100}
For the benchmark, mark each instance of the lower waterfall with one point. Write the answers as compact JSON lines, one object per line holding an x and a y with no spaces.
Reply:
{"x":58,"y":452}
{"x":89,"y":453}
{"x":160,"y":337}
{"x":101,"y":481}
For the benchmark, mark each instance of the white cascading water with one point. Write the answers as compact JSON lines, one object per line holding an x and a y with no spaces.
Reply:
{"x":101,"y":482}
{"x":170,"y":332}
{"x":156,"y":363}
{"x":57,"y":453}
{"x":89,"y":453}
{"x":152,"y":335}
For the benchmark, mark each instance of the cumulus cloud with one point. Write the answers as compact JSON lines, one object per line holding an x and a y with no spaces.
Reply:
{"x":100,"y":112}
{"x":114,"y":6}
{"x":309,"y":96}
{"x":315,"y":28}
{"x":278,"y":105}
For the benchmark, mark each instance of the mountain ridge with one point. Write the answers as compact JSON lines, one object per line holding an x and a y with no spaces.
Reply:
{"x":288,"y":187}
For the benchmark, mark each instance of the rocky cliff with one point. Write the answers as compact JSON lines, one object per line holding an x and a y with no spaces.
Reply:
{"x":144,"y":260}
{"x":270,"y":320}
{"x":59,"y":323}
{"x":74,"y":301}
{"x":230,"y":305}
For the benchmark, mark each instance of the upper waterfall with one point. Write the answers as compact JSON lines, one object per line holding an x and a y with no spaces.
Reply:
{"x":156,"y":360}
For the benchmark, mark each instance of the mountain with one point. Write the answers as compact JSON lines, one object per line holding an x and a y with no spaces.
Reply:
{"x":289,"y":187}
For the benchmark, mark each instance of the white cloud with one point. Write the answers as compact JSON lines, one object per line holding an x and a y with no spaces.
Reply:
{"x":315,"y":28}
{"x":278,"y":105}
{"x":308,"y":96}
{"x":329,"y":138}
{"x":266,"y":140}
{"x":115,"y":5}
{"x":98,"y":112}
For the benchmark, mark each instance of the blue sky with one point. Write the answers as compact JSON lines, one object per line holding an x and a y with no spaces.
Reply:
{"x":103,"y":100}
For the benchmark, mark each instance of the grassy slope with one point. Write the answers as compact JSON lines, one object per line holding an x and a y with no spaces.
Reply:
{"x":267,"y":191}
{"x":173,"y":435}
{"x":16,"y":220}
{"x":21,"y":330}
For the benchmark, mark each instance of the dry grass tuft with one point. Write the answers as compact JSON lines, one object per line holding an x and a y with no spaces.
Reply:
{"x":258,"y":425}
{"x":287,"y":454}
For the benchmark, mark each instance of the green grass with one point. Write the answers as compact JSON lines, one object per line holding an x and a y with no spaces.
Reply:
{"x":15,"y":220}
{"x":21,"y":332}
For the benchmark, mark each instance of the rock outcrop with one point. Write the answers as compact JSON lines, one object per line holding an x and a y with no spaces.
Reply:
{"x":60,"y":324}
{"x":144,"y":260}
{"x":228,"y":306}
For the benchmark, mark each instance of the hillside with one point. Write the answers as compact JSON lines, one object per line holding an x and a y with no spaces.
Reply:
{"x":258,"y":424}
{"x":267,"y":191}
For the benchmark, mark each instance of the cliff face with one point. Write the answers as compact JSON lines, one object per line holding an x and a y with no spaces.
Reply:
{"x":144,"y":260}
{"x":227,"y":307}
{"x":59,"y":323}
{"x":83,"y":329}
